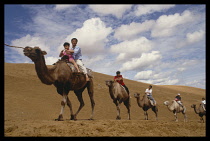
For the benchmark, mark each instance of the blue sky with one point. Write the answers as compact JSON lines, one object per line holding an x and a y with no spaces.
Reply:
{"x":156,"y":44}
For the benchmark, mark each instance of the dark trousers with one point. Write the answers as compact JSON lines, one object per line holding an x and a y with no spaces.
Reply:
{"x":126,"y":88}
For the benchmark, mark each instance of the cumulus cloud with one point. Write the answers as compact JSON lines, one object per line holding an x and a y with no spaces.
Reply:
{"x":151,"y":77}
{"x":92,"y":36}
{"x":168,"y":25}
{"x":144,"y":75}
{"x":50,"y":60}
{"x":116,"y":10}
{"x":195,"y":36}
{"x":148,"y":9}
{"x":31,"y":41}
{"x":146,"y":60}
{"x":127,"y":32}
{"x":131,"y":48}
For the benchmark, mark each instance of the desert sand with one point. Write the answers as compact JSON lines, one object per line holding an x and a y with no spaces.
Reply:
{"x":30,"y":108}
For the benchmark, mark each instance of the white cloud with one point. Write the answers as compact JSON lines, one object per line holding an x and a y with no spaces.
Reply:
{"x":146,"y":60}
{"x":144,"y":75}
{"x":127,"y":32}
{"x":195,"y":36}
{"x":60,"y":7}
{"x":116,"y":10}
{"x":151,"y":77}
{"x":148,"y":9}
{"x":168,"y":25}
{"x":191,"y":38}
{"x":31,"y":41}
{"x":130,"y":49}
{"x":92,"y":36}
{"x":50,"y":60}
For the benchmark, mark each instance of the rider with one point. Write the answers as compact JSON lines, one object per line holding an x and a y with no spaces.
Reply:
{"x":78,"y":56}
{"x":203,"y":103}
{"x":68,"y":52}
{"x":149,"y":94}
{"x":118,"y":78}
{"x":178,"y":99}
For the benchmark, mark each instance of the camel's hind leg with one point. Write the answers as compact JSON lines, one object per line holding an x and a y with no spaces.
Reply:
{"x":127,"y":105}
{"x":184,"y":113}
{"x":79,"y":97}
{"x":155,"y":110}
{"x":91,"y":92}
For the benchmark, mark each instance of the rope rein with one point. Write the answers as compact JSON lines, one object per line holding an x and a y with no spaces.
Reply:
{"x":13,"y":46}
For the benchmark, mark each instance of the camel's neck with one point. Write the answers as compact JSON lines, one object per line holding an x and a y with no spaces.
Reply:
{"x":111,"y":90}
{"x":196,"y":110}
{"x":43,"y":72}
{"x":139,"y":102}
{"x":170,"y":106}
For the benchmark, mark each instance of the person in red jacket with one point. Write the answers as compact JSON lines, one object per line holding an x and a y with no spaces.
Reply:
{"x":118,"y":78}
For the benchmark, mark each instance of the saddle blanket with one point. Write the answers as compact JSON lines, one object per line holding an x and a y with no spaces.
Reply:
{"x":72,"y":67}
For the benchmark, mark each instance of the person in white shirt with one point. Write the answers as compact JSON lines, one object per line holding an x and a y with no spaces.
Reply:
{"x":203,"y":103}
{"x":149,"y":94}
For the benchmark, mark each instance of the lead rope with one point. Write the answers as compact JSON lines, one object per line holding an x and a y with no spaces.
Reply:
{"x":13,"y":46}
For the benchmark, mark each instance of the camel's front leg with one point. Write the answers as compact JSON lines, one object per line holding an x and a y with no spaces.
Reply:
{"x":118,"y":109}
{"x":63,"y":102}
{"x":145,"y":115}
{"x":175,"y":116}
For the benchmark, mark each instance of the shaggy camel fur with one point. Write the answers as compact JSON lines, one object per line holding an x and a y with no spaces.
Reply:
{"x":176,"y":108}
{"x":200,"y":111}
{"x":146,"y":105}
{"x":119,"y":95}
{"x":62,"y":77}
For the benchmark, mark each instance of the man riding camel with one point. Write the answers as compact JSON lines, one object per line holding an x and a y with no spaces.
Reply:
{"x":149,"y":94}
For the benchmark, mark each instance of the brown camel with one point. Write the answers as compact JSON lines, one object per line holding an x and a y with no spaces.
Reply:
{"x":145,"y":104}
{"x":62,"y":77}
{"x":176,"y":108}
{"x":200,"y":111}
{"x":119,"y":95}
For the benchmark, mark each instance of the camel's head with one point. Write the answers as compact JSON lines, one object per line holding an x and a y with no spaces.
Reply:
{"x":109,"y":82}
{"x":193,"y":106}
{"x":166,"y":103}
{"x":136,"y":95}
{"x":33,"y":53}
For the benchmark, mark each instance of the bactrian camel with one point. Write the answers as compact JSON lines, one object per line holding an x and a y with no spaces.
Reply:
{"x":62,"y":77}
{"x":119,"y":95}
{"x":200,"y":111}
{"x":176,"y":108}
{"x":146,"y":105}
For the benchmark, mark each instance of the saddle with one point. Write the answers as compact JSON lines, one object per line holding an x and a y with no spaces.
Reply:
{"x":152,"y":103}
{"x":72,"y":67}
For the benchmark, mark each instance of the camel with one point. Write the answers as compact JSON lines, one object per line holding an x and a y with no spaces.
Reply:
{"x":176,"y":108}
{"x":200,"y":111}
{"x":119,"y":95}
{"x":62,"y":77}
{"x":146,"y":105}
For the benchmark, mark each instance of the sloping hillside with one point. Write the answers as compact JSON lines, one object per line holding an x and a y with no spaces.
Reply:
{"x":27,"y":100}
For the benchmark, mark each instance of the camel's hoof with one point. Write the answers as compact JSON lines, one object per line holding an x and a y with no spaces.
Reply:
{"x":72,"y":117}
{"x":118,"y":118}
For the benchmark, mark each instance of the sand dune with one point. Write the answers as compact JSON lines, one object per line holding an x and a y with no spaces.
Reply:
{"x":31,"y":107}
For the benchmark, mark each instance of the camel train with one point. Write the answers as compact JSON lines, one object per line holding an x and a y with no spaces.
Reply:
{"x":66,"y":79}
